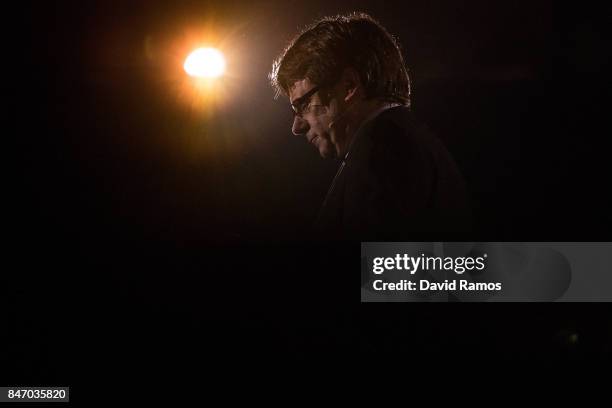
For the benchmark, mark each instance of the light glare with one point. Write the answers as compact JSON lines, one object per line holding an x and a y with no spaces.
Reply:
{"x":205,"y":63}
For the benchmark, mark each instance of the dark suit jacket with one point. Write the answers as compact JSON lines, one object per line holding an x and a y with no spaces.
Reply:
{"x":398,"y":183}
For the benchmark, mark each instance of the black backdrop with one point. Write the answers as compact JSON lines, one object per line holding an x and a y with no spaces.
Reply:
{"x":146,"y":234}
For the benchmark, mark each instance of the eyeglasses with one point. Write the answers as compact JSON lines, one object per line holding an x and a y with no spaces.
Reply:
{"x":302,"y":105}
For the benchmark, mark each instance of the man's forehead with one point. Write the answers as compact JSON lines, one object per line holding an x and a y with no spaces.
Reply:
{"x":299,"y":88}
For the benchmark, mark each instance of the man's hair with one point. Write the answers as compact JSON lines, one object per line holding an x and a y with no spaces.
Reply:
{"x":324,"y":49}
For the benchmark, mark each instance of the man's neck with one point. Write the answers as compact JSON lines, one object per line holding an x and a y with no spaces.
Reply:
{"x":368,"y":110}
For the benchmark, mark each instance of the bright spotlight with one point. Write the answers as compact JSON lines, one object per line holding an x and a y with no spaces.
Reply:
{"x":205,"y":63}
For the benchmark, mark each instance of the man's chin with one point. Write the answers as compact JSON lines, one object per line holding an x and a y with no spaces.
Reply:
{"x":326,"y":149}
{"x":327,"y":153}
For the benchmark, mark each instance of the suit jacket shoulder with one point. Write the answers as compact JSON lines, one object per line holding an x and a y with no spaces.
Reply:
{"x":399,"y":182}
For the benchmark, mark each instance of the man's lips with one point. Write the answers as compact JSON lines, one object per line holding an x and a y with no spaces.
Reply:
{"x":313,"y":138}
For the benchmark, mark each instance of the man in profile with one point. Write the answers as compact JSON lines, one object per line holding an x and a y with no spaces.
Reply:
{"x":350,"y":92}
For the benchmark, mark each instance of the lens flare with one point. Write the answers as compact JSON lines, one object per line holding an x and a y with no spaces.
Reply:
{"x":205,"y":63}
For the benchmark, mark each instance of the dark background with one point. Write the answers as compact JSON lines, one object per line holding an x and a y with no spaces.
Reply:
{"x":150,"y":235}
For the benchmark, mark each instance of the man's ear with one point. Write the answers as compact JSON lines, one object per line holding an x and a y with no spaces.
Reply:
{"x":351,"y":84}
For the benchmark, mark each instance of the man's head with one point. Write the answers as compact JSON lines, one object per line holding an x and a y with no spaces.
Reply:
{"x":335,"y":73}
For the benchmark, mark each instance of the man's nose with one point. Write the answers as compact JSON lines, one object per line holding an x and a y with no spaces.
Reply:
{"x":300,"y":126}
